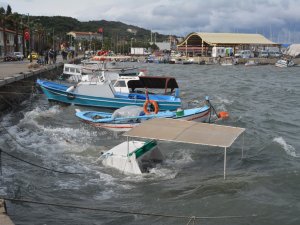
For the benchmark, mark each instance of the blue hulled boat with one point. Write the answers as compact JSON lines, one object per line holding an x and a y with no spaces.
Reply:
{"x":99,"y":91}
{"x":127,"y":117}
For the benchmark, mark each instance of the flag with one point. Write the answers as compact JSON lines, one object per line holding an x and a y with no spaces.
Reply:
{"x":100,"y":30}
{"x":26,"y":35}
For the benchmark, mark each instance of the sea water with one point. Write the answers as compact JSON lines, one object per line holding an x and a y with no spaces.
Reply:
{"x":261,"y":188}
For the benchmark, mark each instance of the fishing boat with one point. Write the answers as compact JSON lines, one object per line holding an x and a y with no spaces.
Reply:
{"x":251,"y":63}
{"x":284,"y":63}
{"x":127,"y":117}
{"x":137,"y":157}
{"x":90,"y":67}
{"x":99,"y":91}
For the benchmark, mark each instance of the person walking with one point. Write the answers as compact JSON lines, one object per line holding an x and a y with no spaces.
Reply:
{"x":46,"y":57}
{"x":51,"y":56}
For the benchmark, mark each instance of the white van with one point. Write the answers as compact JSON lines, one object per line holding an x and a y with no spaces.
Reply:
{"x":245,"y":54}
{"x":218,"y":52}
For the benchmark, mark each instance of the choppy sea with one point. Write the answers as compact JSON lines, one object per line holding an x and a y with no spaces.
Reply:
{"x":263,"y":187}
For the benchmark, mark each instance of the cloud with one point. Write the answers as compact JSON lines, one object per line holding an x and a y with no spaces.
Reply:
{"x":178,"y":17}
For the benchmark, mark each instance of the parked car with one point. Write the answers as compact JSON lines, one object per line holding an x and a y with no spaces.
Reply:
{"x":10,"y":57}
{"x":264,"y":54}
{"x":34,"y":55}
{"x":19,"y":55}
{"x":275,"y":54}
{"x":245,"y":54}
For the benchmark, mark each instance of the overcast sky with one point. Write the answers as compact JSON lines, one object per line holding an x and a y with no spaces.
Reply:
{"x":276,"y":19}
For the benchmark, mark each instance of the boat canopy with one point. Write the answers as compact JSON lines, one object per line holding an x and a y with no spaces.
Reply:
{"x":187,"y":132}
{"x":153,"y":82}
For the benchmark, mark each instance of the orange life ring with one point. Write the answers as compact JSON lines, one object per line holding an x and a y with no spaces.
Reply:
{"x":152,"y":102}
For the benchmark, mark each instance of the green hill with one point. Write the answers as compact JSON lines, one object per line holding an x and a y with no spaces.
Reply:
{"x":112,"y":29}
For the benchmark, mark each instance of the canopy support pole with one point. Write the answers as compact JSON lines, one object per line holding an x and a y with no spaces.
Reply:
{"x":224,"y":163}
{"x":127,"y":146}
{"x":243,"y":145}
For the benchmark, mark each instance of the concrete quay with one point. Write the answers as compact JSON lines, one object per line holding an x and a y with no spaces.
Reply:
{"x":4,"y":218}
{"x":17,"y":80}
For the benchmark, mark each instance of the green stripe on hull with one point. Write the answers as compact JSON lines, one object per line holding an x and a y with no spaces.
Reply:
{"x":145,"y":148}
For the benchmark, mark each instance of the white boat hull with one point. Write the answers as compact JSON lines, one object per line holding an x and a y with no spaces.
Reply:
{"x":125,"y":158}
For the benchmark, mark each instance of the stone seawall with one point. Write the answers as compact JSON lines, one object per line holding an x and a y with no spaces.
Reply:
{"x":14,"y":89}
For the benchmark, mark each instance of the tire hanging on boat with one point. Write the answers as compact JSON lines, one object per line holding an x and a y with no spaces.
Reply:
{"x":153,"y":103}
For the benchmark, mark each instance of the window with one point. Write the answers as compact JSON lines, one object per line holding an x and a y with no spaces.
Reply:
{"x":120,"y":83}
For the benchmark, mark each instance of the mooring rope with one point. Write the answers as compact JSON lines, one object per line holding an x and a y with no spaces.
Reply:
{"x":191,"y":218}
{"x":25,"y":86}
{"x":7,"y":102}
{"x":19,"y":93}
{"x":13,"y":138}
{"x":32,"y":164}
{"x":42,"y":167}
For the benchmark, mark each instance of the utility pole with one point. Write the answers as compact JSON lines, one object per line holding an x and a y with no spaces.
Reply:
{"x":53,"y":39}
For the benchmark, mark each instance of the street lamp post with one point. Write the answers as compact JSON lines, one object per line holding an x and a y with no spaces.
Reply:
{"x":131,"y":45}
{"x":29,"y":41}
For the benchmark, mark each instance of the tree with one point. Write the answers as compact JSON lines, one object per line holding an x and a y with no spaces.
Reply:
{"x":15,"y":18}
{"x":4,"y":16}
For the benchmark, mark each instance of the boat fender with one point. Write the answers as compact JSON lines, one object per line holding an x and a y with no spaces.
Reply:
{"x":70,"y":89}
{"x":153,"y":103}
{"x":223,"y":115}
{"x":179,"y":112}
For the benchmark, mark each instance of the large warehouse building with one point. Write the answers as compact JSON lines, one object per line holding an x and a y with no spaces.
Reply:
{"x":202,"y":43}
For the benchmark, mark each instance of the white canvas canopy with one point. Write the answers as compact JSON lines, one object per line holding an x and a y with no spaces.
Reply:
{"x":188,"y":132}
{"x":293,"y":50}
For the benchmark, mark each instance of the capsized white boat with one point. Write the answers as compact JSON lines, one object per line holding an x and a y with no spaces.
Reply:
{"x":135,"y":157}
{"x":284,"y":63}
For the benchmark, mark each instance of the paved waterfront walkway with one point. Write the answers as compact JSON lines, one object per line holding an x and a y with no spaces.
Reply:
{"x":14,"y":71}
{"x":8,"y":69}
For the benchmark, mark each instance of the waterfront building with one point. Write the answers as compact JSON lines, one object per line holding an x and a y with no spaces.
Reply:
{"x":10,"y":43}
{"x":201,"y":44}
{"x":77,"y":38}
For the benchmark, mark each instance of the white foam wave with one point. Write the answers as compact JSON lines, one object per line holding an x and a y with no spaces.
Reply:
{"x":224,"y":100}
{"x":289,"y":149}
{"x":180,"y":157}
{"x":39,"y":112}
{"x":164,"y":173}
{"x":157,"y":173}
